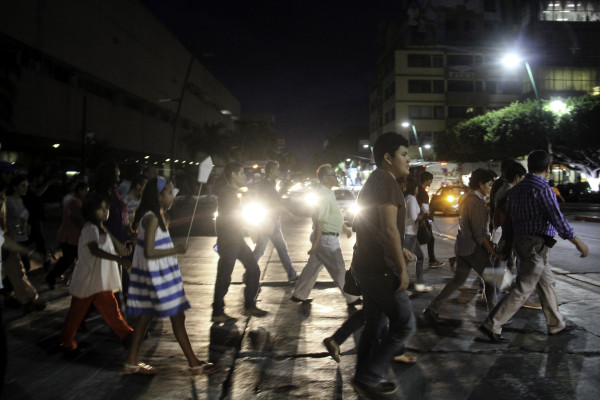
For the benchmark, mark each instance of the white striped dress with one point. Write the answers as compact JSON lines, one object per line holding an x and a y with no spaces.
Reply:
{"x":155,"y":286}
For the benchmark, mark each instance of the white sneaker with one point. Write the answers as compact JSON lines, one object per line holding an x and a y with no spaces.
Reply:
{"x":421,"y":287}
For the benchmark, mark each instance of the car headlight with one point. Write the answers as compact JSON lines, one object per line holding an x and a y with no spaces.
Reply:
{"x":450,"y":198}
{"x":254,"y":214}
{"x":311,"y":199}
{"x":354,"y":209}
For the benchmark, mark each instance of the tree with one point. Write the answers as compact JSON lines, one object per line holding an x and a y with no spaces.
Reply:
{"x":572,"y":137}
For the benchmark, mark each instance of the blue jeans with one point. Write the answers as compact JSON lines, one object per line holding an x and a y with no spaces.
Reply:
{"x":377,"y":346}
{"x":228,"y":254}
{"x":279,"y":243}
{"x":411,"y":242}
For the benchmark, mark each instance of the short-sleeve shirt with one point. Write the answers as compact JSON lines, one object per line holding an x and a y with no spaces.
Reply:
{"x":328,"y":210}
{"x":93,"y":274}
{"x":17,"y":219}
{"x":229,"y":218}
{"x":371,"y":255}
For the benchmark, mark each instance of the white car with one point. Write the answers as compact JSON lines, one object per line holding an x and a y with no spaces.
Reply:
{"x":347,"y":202}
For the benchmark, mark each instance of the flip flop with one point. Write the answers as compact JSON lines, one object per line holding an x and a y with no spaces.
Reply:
{"x":204,"y":368}
{"x":405,"y":359}
{"x":139,"y":369}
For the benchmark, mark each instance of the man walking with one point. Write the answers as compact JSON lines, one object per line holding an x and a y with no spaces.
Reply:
{"x":231,"y":247}
{"x":328,"y":223}
{"x":269,"y":195}
{"x":425,"y":179}
{"x":532,"y":219}
{"x":380,"y":268}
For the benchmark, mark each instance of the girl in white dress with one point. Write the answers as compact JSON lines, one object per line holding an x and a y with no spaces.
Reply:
{"x":156,"y":287}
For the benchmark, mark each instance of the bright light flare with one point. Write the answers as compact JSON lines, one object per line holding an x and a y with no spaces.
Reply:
{"x":450,"y":198}
{"x":254,"y":214}
{"x":354,"y":209}
{"x":558,"y":107}
{"x":311,"y":199}
{"x":511,"y":60}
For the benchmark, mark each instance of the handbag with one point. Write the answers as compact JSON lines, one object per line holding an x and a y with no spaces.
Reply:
{"x":424,"y":234}
{"x":350,"y":284}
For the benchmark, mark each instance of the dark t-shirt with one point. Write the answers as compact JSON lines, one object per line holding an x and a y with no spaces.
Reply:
{"x":371,"y":254}
{"x":422,"y":196}
{"x":229,"y":220}
{"x":269,"y":195}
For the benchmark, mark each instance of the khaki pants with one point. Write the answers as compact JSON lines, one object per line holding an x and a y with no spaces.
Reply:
{"x":24,"y":290}
{"x":533,"y":273}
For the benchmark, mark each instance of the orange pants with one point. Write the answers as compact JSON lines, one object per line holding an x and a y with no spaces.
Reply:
{"x":106,"y":304}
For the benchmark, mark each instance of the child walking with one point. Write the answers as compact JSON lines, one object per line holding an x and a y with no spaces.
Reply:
{"x":156,"y":287}
{"x":96,"y":276}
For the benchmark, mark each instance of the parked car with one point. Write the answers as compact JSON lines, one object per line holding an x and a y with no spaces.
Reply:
{"x":445,"y":200}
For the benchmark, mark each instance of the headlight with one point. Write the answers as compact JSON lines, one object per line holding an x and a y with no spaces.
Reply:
{"x":254,"y":214}
{"x":311,"y":199}
{"x":354,"y":209}
{"x":450,"y":199}
{"x":215,"y":215}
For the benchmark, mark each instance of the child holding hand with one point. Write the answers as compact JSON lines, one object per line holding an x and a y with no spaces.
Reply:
{"x":155,"y":286}
{"x":96,"y":275}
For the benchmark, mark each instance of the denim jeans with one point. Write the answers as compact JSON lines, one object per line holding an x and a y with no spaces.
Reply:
{"x":279,"y":243}
{"x":228,"y":254}
{"x":412,"y":243}
{"x":378,"y":346}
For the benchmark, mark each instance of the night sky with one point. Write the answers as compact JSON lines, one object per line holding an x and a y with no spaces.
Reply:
{"x":307,"y":62}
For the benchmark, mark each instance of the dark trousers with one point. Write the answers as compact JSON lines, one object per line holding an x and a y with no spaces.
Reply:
{"x":228,"y":254}
{"x":378,"y":346}
{"x":354,"y":322}
{"x":431,"y":246}
{"x":69,"y":252}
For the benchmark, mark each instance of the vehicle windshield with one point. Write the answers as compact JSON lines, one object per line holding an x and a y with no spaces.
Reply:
{"x":452,"y":190}
{"x":344,"y":195}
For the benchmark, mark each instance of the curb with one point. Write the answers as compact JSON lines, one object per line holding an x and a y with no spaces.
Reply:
{"x":587,"y":219}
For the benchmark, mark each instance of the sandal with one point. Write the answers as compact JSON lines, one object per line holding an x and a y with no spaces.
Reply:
{"x":139,"y":369}
{"x":204,"y":368}
{"x":405,"y":358}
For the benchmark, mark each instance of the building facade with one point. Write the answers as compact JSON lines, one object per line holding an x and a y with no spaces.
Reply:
{"x":443,"y":63}
{"x":102,"y":76}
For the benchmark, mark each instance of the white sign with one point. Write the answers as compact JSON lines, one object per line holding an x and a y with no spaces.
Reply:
{"x":204,"y":170}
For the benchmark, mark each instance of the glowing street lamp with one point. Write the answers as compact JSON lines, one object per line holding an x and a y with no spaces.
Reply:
{"x":513,"y":60}
{"x":406,"y":124}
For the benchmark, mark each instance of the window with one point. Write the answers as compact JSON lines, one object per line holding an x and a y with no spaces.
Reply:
{"x":464,"y":111}
{"x":460,"y":86}
{"x":489,"y":5}
{"x":509,"y":87}
{"x":437,"y":60}
{"x":438,"y":112}
{"x":419,"y":86}
{"x":479,"y":86}
{"x":438,"y":86}
{"x":459,"y":59}
{"x":390,"y":90}
{"x":419,"y":112}
{"x":419,"y":60}
{"x":491,"y":87}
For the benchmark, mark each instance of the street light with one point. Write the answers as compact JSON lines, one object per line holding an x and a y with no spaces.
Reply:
{"x":406,"y":124}
{"x":512,"y":60}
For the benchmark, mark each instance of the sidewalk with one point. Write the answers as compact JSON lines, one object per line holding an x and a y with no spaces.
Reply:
{"x":281,"y":356}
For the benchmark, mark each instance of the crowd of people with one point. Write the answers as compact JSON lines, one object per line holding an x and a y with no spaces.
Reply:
{"x":116,"y":238}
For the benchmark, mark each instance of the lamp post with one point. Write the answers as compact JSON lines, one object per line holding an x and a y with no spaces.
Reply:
{"x":512,"y":60}
{"x":406,"y":124}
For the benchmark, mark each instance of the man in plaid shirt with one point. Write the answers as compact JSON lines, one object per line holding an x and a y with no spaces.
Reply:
{"x":533,"y":217}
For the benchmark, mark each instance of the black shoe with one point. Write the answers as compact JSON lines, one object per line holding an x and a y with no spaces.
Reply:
{"x":355,"y":303}
{"x":297,"y":300}
{"x":568,"y":328}
{"x":223,"y":319}
{"x":50,"y":281}
{"x":293,"y":280}
{"x":34,"y":306}
{"x":432,"y":316}
{"x":333,"y":348}
{"x":494,"y":337}
{"x":255,"y":312}
{"x":374,"y":391}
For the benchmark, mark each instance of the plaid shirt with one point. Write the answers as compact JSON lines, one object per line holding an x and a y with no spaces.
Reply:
{"x":532,"y":209}
{"x":473,"y":223}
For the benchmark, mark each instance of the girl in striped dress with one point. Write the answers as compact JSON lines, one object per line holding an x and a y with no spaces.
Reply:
{"x":156,"y":287}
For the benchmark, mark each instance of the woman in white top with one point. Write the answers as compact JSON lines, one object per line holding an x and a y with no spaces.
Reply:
{"x":96,"y":275}
{"x":411,"y":242}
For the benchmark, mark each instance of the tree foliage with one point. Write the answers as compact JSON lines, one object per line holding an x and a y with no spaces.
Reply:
{"x":514,"y":131}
